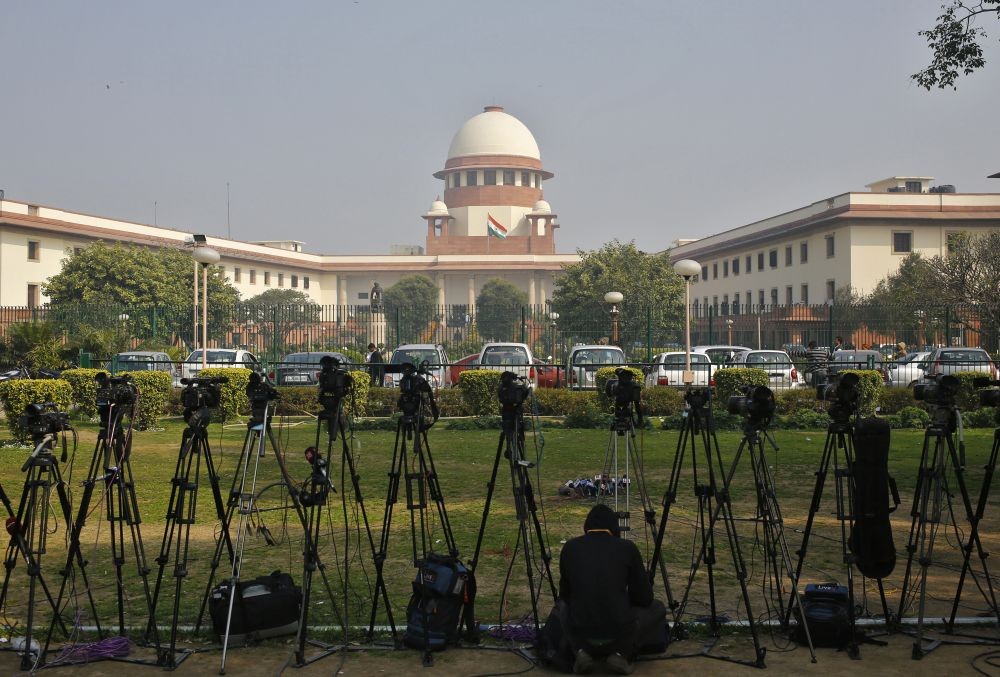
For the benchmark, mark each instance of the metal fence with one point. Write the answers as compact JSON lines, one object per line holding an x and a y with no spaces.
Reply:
{"x":273,"y":331}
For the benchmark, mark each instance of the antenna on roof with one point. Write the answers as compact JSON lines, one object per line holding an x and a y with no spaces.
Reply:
{"x":229,"y":230}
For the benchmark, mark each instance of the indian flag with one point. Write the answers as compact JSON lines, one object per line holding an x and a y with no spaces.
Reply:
{"x":494,"y":228}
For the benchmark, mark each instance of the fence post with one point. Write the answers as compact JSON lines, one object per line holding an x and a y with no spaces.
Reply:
{"x":649,"y":333}
{"x":947,"y":326}
{"x":829,"y":329}
{"x":399,"y":338}
{"x":274,"y":333}
{"x":524,"y":325}
{"x":153,"y":322}
{"x":711,"y":311}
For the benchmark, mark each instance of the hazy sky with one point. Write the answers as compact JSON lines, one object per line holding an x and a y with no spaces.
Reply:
{"x":660,"y":119}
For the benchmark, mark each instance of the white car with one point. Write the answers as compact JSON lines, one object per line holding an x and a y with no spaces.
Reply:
{"x":779,"y":367}
{"x":584,"y":361}
{"x":513,"y":357}
{"x":220,"y":358}
{"x":668,"y":370}
{"x":907,"y":370}
{"x":439,"y":376}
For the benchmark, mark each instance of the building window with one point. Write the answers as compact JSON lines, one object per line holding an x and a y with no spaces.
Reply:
{"x":772,"y":258}
{"x":456,"y":179}
{"x":829,"y":247}
{"x":470,"y":178}
{"x":237,"y":275}
{"x":508,"y":177}
{"x":33,"y":250}
{"x":305,"y":282}
{"x":788,"y":295}
{"x":774,"y":296}
{"x":805,"y":294}
{"x":831,"y":290}
{"x":715,"y":304}
{"x":736,"y":266}
{"x":538,"y":180}
{"x":715,"y":271}
{"x":760,"y":298}
{"x":749,"y":298}
{"x":788,"y":255}
{"x":267,"y":278}
{"x":749,"y":263}
{"x":490,"y":177}
{"x":736,"y":304}
{"x":362,"y":296}
{"x":902,"y":242}
{"x":32,"y":210}
{"x":725,"y":304}
{"x":760,"y":260}
{"x":525,"y":179}
{"x":725,"y":268}
{"x":295,"y":281}
{"x":704,"y":272}
{"x":253,"y":276}
{"x":281,"y":279}
{"x":914,"y":187}
{"x":34,"y":296}
{"x":804,"y":252}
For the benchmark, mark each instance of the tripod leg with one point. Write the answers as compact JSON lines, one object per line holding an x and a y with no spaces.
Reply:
{"x":669,"y":498}
{"x":392,"y":495}
{"x":490,"y":487}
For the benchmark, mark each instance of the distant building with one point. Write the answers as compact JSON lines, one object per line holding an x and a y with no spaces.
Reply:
{"x":803,"y":256}
{"x":492,"y":182}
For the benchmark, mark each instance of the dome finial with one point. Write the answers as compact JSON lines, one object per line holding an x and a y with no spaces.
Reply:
{"x":493,"y":109}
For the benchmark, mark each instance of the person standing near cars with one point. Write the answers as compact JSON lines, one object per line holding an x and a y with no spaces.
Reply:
{"x":376,"y":365}
{"x":816,"y":362}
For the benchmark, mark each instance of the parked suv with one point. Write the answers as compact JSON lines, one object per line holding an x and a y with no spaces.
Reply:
{"x":302,"y":369}
{"x":842,"y":360}
{"x":668,"y":369}
{"x":778,"y":365}
{"x":584,"y":361}
{"x":953,"y":360}
{"x":220,"y":358}
{"x":514,"y":357}
{"x":434,"y":355}
{"x":144,"y":360}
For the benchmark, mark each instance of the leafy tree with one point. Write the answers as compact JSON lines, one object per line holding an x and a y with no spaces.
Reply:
{"x":648,"y":283}
{"x":411,"y":306}
{"x":106,"y":285}
{"x":955,"y":43}
{"x":498,"y":310}
{"x":276,"y":313}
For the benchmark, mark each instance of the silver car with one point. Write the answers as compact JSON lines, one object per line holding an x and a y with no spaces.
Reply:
{"x":907,"y":370}
{"x":954,"y":360}
{"x":668,"y":370}
{"x":584,"y":361}
{"x":779,"y":367}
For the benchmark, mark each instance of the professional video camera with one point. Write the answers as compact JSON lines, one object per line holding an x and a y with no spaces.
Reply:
{"x":991,"y":396}
{"x":199,"y":397}
{"x":756,"y":404}
{"x":941,"y":392}
{"x":259,"y":394}
{"x":44,"y":419}
{"x":843,"y":393}
{"x":414,"y":389}
{"x":513,"y":389}
{"x":113,"y":391}
{"x":334,"y":381}
{"x":625,"y":393}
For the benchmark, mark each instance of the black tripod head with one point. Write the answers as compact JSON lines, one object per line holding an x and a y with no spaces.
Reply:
{"x":512,"y":393}
{"x":415,"y":395}
{"x":200,"y":397}
{"x":45,"y":423}
{"x":625,"y":394}
{"x":260,"y":394}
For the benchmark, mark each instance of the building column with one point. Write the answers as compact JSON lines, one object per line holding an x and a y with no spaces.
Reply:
{"x":531,"y":289}
{"x":336,"y":287}
{"x":472,"y":293}
{"x":543,"y":291}
{"x":441,"y":283}
{"x":342,"y":292}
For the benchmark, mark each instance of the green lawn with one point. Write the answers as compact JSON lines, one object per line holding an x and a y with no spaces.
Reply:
{"x":464,"y":462}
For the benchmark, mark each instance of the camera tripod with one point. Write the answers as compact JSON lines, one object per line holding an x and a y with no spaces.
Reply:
{"x":412,"y":462}
{"x":29,"y":532}
{"x":699,"y":425}
{"x":181,"y":514}
{"x":839,"y":442}
{"x":314,"y":496}
{"x":111,"y":470}
{"x":511,"y":446}
{"x":939,"y":457}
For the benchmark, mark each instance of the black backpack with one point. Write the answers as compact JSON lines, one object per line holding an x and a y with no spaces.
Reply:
{"x":826,"y":608}
{"x":443,"y":598}
{"x":871,"y":534}
{"x":267,"y":606}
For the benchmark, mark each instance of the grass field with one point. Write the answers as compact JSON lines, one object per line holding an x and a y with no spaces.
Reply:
{"x":464,"y":461}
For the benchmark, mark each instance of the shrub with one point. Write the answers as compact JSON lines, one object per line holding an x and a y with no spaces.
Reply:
{"x":869,"y":388}
{"x":450,"y":402}
{"x":605,"y":374}
{"x":913,"y":417}
{"x":587,"y":413}
{"x":894,"y":400}
{"x":558,"y":401}
{"x":662,"y":401}
{"x":297,"y":400}
{"x":803,"y":419}
{"x":479,"y":391}
{"x":795,"y":400}
{"x":84,"y":389}
{"x":475,"y":423}
{"x":360,"y":385}
{"x":984,"y":417}
{"x":234,"y":390}
{"x":155,"y":388}
{"x":728,"y":381}
{"x":967,"y":398}
{"x":16,"y":395}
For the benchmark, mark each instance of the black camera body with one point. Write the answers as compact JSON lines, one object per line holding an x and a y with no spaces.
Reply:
{"x":199,"y":397}
{"x":990,"y":397}
{"x":334,"y":381}
{"x":941,"y":392}
{"x":843,"y":392}
{"x":114,"y":390}
{"x":626,"y":395}
{"x":513,"y":390}
{"x":413,"y":390}
{"x":756,"y":405}
{"x":259,"y":393}
{"x":44,"y":419}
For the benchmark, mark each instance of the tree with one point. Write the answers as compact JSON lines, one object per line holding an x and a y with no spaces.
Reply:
{"x":498,"y":310}
{"x":955,"y":43}
{"x":276,"y":313}
{"x":648,"y":283}
{"x":105,"y":286}
{"x":411,"y":306}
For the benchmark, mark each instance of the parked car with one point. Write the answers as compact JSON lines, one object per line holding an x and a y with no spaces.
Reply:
{"x":439,"y":374}
{"x":953,"y":360}
{"x":514,"y":357}
{"x":907,"y":370}
{"x":302,"y":369}
{"x":220,"y":358}
{"x":668,"y":370}
{"x":467,"y":362}
{"x":779,"y":367}
{"x":842,"y":360}
{"x":548,"y":375}
{"x":145,"y":360}
{"x":584,"y":361}
{"x":719,"y":355}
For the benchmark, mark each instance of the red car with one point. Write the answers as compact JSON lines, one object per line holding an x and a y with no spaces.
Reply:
{"x":549,"y":375}
{"x":458,"y":367}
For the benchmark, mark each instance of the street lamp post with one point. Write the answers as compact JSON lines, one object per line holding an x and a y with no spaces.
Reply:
{"x":689,"y":270}
{"x":613,"y":298}
{"x":205,"y":256}
{"x":729,"y":325}
{"x":554,"y":316}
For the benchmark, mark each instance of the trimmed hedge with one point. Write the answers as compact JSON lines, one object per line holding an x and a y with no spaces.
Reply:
{"x":967,"y":398}
{"x":479,"y":391}
{"x":234,"y":390}
{"x":16,"y":395}
{"x":729,"y":381}
{"x":869,"y":388}
{"x":84,"y":389}
{"x":155,"y":389}
{"x":558,"y":401}
{"x":662,"y":401}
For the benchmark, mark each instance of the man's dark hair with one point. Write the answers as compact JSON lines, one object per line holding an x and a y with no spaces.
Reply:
{"x":812,"y":344}
{"x":602,"y":518}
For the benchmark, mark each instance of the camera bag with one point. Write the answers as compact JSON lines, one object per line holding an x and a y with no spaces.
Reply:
{"x":267,"y":606}
{"x":825,"y":607}
{"x":871,"y":534}
{"x":443,"y":597}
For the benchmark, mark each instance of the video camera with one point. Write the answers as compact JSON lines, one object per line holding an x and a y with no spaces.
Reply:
{"x":413,"y":388}
{"x":941,"y":392}
{"x":118,"y":390}
{"x":991,"y":396}
{"x":625,"y":393}
{"x":44,"y":419}
{"x":259,"y":394}
{"x":199,"y":397}
{"x":513,"y":390}
{"x":334,"y":381}
{"x":756,"y":404}
{"x":843,"y":393}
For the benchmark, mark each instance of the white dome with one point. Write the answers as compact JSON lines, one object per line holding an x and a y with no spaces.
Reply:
{"x":494,"y":132}
{"x":438,"y":208}
{"x":541,"y":207}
